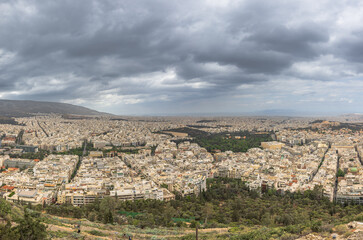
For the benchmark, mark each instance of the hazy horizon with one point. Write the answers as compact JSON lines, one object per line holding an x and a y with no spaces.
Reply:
{"x":190,"y":57}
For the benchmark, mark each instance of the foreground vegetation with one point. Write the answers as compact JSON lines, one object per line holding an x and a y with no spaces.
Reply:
{"x":27,"y":224}
{"x":228,"y":208}
{"x":226,"y":203}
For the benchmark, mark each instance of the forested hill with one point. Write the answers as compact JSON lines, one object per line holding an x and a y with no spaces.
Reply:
{"x":22,"y":108}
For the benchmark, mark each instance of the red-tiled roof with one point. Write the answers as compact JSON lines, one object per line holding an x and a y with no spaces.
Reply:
{"x":6,"y":187}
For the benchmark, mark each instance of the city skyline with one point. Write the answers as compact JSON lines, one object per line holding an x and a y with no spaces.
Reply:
{"x":175,"y":58}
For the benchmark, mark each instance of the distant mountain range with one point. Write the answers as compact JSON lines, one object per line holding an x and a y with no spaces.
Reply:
{"x":23,"y":108}
{"x":353,"y":117}
{"x":268,"y":112}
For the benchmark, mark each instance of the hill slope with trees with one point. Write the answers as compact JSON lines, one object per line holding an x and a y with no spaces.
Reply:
{"x":20,"y":108}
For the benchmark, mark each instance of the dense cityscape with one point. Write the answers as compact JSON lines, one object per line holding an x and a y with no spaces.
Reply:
{"x":294,"y":160}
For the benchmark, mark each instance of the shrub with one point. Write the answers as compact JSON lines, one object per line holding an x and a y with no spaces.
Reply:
{"x":97,"y":233}
{"x":316,"y":226}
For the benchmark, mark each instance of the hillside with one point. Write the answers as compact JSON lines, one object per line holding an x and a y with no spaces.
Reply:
{"x":22,"y":108}
{"x":227,"y":210}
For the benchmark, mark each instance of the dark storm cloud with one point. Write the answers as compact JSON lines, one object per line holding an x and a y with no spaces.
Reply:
{"x":6,"y":85}
{"x":173,"y":51}
{"x":351,"y":47}
{"x":296,"y":42}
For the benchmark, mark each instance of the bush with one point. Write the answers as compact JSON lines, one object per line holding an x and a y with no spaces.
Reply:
{"x":234,"y":229}
{"x":316,"y":226}
{"x":327,"y":228}
{"x":188,"y":237}
{"x":97,"y":233}
{"x":294,"y":229}
{"x":261,"y":234}
{"x":288,"y":236}
{"x":193,"y":224}
{"x":92,"y":216}
{"x":341,"y":229}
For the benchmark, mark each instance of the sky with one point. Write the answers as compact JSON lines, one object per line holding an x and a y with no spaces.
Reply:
{"x":150,"y":57}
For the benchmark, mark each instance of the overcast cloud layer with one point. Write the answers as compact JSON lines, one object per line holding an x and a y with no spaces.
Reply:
{"x":153,"y":56}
